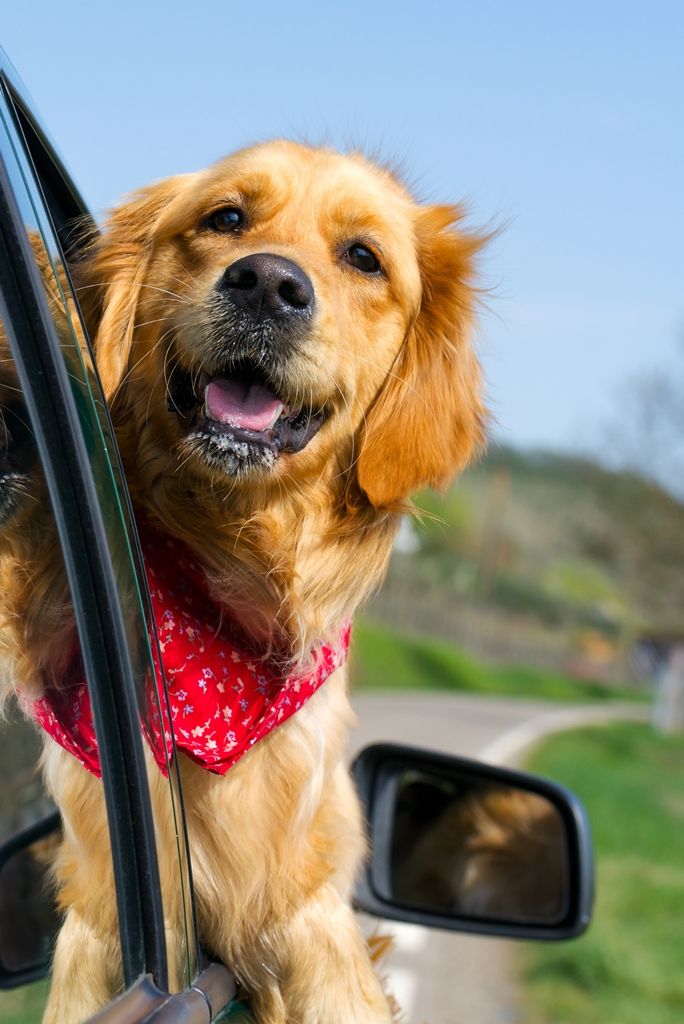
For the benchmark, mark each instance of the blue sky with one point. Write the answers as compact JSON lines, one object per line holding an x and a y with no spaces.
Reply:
{"x":561,"y":121}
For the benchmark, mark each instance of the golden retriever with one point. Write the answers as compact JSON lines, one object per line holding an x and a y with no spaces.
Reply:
{"x":285,"y":341}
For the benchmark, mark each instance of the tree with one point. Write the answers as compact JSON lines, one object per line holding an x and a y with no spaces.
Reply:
{"x":646,"y":433}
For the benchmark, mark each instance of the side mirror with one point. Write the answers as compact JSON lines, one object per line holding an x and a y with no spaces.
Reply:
{"x":462,"y":845}
{"x":29,"y":920}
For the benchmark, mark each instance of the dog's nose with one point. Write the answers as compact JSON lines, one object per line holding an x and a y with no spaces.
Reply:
{"x":270,"y":285}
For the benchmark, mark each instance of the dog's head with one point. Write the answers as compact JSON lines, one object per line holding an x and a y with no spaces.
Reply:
{"x":286,"y":312}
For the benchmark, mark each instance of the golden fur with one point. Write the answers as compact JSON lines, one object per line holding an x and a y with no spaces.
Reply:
{"x":291,"y":549}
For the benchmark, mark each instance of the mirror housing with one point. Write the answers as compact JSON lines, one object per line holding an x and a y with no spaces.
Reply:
{"x":29,"y":919}
{"x":466,"y":846}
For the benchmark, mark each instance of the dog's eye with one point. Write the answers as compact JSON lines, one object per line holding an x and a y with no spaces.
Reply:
{"x":227,"y":219}
{"x":362,"y":258}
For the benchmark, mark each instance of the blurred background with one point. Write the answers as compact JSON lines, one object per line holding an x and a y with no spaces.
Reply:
{"x":553,"y":572}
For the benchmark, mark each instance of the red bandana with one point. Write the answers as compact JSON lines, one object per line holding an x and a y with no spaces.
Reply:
{"x":221,"y":699}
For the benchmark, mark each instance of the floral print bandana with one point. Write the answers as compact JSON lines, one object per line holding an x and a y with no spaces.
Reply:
{"x":222,"y":698}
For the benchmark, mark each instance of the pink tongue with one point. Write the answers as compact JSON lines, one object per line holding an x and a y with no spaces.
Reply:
{"x":243,"y":405}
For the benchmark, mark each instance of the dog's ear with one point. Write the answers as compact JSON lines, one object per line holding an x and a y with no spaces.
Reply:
{"x":428,"y":418}
{"x":113,"y":273}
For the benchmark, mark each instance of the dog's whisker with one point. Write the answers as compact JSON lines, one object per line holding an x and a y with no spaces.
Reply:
{"x":351,"y":424}
{"x":193,"y":279}
{"x":92,"y":284}
{"x":164,"y":291}
{"x":157,"y":320}
{"x":411,"y":388}
{"x":190,"y":277}
{"x":132,"y":369}
{"x":167,"y":376}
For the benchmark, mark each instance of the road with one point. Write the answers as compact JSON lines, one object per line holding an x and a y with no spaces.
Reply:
{"x":441,"y":977}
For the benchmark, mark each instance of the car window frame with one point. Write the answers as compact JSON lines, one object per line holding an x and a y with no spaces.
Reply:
{"x":42,"y":374}
{"x":72,"y":227}
{"x":36,"y":349}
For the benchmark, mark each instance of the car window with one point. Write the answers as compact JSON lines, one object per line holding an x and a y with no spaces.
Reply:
{"x":23,"y":798}
{"x":39,"y":635}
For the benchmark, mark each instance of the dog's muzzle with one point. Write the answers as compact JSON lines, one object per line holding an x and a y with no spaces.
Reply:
{"x":267,"y":286}
{"x":241,"y":408}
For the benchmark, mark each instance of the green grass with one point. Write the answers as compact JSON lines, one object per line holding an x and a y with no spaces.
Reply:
{"x":629,"y":967}
{"x":385,"y":660}
{"x":23,"y":1005}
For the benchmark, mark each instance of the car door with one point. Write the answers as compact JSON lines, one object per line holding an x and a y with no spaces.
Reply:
{"x":67,"y":498}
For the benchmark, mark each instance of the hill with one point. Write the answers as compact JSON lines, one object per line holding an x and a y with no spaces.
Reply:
{"x":540,"y":558}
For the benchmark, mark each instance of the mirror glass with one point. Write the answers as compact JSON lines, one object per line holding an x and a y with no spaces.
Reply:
{"x":477,"y":848}
{"x":29,"y":918}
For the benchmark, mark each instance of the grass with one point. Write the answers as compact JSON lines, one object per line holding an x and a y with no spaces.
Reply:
{"x":23,"y":1005}
{"x":382,"y":659}
{"x":627,"y":969}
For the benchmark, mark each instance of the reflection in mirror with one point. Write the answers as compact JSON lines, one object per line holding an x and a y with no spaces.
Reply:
{"x":478,"y":849}
{"x":37,"y":628}
{"x":28,"y":914}
{"x":18,"y":453}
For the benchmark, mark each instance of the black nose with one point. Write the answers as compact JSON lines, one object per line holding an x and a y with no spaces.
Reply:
{"x":269,"y":285}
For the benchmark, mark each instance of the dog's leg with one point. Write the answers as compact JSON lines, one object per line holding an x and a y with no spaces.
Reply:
{"x":85,"y":972}
{"x":325,"y":974}
{"x":323,"y":971}
{"x":312,"y":967}
{"x":274,"y":895}
{"x":87,"y":963}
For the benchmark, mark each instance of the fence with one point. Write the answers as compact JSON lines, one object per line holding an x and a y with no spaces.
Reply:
{"x":492,"y":634}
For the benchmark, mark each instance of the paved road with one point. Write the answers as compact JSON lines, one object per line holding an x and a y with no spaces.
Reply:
{"x":440,"y":977}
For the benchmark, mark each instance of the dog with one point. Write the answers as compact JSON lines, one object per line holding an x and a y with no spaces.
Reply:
{"x":285,"y":343}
